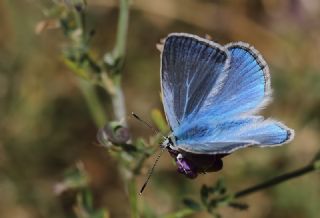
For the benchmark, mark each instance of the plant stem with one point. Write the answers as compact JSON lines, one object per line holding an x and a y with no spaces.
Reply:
{"x":181,"y":213}
{"x":96,"y":109}
{"x":122,"y":29}
{"x":132,"y":192}
{"x":118,"y":103}
{"x":118,"y":54}
{"x":275,"y":181}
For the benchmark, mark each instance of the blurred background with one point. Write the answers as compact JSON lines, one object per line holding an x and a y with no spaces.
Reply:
{"x":46,"y":127}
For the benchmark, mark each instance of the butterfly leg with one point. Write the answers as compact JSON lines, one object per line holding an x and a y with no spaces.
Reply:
{"x":180,"y":162}
{"x":185,"y":167}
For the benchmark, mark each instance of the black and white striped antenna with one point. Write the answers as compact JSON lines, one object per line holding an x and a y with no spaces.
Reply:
{"x":159,"y":155}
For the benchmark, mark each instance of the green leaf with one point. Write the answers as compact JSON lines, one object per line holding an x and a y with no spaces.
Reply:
{"x":204,"y":194}
{"x":192,"y":204}
{"x":76,"y":177}
{"x":220,"y":186}
{"x":87,"y":199}
{"x":212,"y":205}
{"x":81,"y":72}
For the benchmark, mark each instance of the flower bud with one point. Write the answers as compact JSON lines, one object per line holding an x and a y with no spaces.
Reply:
{"x":113,"y":133}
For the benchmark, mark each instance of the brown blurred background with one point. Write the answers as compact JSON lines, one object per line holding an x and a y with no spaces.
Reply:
{"x":45,"y":125}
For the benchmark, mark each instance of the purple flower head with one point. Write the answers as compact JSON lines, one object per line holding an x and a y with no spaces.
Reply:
{"x":191,"y":165}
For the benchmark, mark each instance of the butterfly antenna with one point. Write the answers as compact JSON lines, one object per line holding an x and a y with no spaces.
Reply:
{"x":151,"y":171}
{"x":145,"y":123}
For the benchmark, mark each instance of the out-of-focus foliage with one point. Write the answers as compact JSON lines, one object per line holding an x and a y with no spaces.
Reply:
{"x":46,"y":126}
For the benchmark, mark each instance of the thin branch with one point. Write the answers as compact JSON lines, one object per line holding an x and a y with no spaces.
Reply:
{"x":118,"y":103}
{"x":118,"y":55}
{"x":97,"y":111}
{"x":132,"y":194}
{"x":275,"y":181}
{"x":121,"y":40}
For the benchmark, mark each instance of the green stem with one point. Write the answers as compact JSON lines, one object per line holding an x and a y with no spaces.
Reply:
{"x":118,"y":54}
{"x":96,"y":109}
{"x":276,"y":181}
{"x":118,"y":103}
{"x":181,"y":213}
{"x":122,"y":29}
{"x":132,"y":191}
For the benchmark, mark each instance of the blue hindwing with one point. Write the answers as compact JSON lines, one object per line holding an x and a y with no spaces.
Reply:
{"x":226,"y":136}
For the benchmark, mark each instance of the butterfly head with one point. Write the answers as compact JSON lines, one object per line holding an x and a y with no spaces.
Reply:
{"x":169,"y":142}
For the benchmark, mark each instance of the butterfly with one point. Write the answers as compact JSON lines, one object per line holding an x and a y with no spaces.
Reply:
{"x":211,"y":95}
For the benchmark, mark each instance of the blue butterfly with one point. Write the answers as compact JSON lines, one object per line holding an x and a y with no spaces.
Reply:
{"x":211,"y":94}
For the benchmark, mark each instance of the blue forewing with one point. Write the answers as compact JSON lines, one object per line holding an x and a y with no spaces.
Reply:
{"x":193,"y":69}
{"x":211,"y":93}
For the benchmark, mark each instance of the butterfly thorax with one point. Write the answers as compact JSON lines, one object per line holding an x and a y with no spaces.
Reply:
{"x":169,"y":142}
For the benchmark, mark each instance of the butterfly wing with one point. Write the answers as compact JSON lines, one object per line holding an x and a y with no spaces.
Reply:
{"x":210,"y":137}
{"x":247,"y":87}
{"x":192,"y":70}
{"x":225,"y":124}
